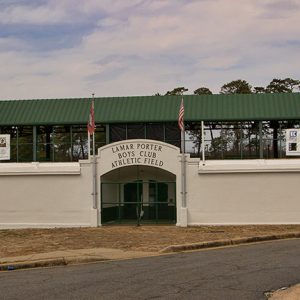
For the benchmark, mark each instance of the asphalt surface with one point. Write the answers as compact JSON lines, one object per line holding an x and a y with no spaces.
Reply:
{"x":240,"y":272}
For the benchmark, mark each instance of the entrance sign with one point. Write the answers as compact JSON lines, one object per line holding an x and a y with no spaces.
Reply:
{"x":4,"y":147}
{"x":293,"y":142}
{"x":146,"y":153}
{"x":139,"y":152}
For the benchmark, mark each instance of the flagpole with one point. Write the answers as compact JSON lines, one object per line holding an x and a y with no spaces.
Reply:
{"x":183,"y":212}
{"x":183,"y":169}
{"x":94,"y":164}
{"x":183,"y":158}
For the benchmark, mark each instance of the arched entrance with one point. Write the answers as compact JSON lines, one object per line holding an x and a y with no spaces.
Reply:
{"x":138,"y":194}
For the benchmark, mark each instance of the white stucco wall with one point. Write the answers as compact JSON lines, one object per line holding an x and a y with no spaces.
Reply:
{"x":243,"y":192}
{"x":219,"y":192}
{"x":46,"y":195}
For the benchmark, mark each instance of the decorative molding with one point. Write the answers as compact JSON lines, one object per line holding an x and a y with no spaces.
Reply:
{"x":42,"y":225}
{"x":36,"y":168}
{"x":250,"y":166}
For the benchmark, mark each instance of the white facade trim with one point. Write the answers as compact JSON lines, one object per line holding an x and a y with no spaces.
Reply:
{"x":242,"y":223}
{"x":42,"y":225}
{"x":250,"y":166}
{"x":36,"y":168}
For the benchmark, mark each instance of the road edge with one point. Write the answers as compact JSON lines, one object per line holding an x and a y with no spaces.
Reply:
{"x":229,"y":242}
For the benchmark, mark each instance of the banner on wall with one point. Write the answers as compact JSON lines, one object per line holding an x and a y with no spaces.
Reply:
{"x":293,"y":142}
{"x":4,"y":147}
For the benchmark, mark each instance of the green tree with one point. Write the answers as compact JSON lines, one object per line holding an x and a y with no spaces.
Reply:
{"x":287,"y":85}
{"x":176,"y":91}
{"x":259,"y":90}
{"x":203,"y":91}
{"x":236,"y":87}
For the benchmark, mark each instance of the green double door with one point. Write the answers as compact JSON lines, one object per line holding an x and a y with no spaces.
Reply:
{"x":142,"y":202}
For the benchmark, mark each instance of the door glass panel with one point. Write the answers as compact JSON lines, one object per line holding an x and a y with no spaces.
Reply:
{"x":138,"y":202}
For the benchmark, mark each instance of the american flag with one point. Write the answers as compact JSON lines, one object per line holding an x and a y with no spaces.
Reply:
{"x":181,"y":115}
{"x":91,"y":123}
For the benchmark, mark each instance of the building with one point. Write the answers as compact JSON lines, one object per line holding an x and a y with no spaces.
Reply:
{"x":236,"y":163}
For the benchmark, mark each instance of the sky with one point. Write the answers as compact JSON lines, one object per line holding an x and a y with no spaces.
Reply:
{"x":71,"y":49}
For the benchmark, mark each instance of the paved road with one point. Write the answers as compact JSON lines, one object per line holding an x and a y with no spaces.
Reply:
{"x":243,"y":272}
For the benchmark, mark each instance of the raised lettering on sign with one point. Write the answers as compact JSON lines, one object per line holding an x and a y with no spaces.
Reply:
{"x":136,"y":154}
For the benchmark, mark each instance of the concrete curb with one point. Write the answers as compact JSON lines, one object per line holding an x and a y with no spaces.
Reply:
{"x":229,"y":242}
{"x":33,"y":264}
{"x":49,"y":263}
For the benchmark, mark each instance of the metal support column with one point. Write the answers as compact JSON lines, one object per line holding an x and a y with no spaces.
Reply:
{"x":34,"y":143}
{"x":107,"y":137}
{"x":261,"y":144}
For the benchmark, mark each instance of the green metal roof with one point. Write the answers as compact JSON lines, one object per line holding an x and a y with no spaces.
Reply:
{"x":152,"y":109}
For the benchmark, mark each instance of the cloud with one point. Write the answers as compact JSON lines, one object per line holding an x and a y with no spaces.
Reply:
{"x":279,"y":8}
{"x":45,"y":25}
{"x":32,"y":13}
{"x":57,"y":49}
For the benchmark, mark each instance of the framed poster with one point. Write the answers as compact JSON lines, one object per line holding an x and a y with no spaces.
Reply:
{"x":4,"y":147}
{"x":293,"y":142}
